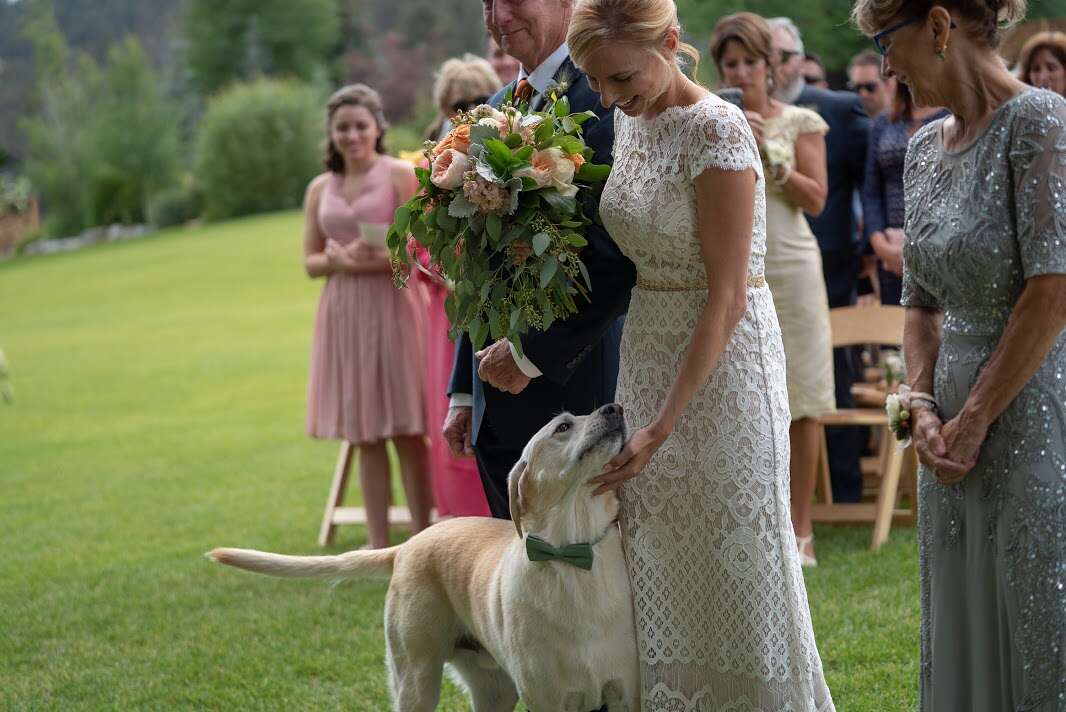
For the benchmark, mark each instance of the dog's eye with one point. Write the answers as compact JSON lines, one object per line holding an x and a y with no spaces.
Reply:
{"x":563,"y":427}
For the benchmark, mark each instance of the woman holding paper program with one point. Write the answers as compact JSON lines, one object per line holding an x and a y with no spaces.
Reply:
{"x":368,"y":350}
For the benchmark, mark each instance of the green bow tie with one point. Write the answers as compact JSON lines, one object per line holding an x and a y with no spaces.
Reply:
{"x":579,"y":555}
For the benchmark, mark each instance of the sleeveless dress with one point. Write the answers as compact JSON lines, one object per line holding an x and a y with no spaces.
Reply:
{"x":794,"y":273}
{"x":367,"y":378}
{"x":721,"y":607}
{"x":992,"y":548}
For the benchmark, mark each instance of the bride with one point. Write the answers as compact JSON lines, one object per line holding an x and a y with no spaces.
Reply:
{"x":721,"y":607}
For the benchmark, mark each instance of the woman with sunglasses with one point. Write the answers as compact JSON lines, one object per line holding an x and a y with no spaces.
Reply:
{"x":882,"y":191}
{"x":462,"y":83}
{"x":984,"y":283}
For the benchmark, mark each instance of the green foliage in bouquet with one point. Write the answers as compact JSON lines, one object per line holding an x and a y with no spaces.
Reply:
{"x":500,"y":218}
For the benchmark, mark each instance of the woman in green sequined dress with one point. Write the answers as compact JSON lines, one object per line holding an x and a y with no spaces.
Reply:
{"x":984,"y":284}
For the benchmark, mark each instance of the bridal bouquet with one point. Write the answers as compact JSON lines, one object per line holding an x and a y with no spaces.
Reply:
{"x":498,"y":213}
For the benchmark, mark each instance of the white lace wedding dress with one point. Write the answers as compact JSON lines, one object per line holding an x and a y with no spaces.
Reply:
{"x":721,"y":608}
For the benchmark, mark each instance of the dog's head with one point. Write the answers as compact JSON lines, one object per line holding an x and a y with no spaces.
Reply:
{"x":565,"y":453}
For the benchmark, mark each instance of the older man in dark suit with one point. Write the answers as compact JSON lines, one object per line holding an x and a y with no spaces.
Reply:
{"x":836,"y":227}
{"x":499,"y":400}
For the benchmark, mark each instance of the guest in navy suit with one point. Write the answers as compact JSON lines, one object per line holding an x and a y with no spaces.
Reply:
{"x":500,"y":400}
{"x":836,"y":228}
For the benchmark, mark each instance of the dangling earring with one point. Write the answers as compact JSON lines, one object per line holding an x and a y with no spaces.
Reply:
{"x":940,"y":53}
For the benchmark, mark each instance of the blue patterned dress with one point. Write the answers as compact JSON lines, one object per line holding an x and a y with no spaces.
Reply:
{"x":980,"y":222}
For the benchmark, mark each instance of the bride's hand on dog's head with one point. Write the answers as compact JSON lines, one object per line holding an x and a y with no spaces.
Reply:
{"x":630,"y":462}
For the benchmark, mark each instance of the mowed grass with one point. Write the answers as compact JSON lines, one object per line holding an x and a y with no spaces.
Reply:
{"x":160,"y":393}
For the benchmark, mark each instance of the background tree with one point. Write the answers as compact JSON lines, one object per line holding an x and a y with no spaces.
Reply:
{"x":103,"y":138}
{"x":245,"y":39}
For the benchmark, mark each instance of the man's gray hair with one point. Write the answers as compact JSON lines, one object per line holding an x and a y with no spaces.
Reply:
{"x":788,"y":24}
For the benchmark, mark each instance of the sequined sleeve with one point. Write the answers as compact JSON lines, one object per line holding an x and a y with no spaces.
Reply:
{"x":1038,"y":163}
{"x":920,"y":159}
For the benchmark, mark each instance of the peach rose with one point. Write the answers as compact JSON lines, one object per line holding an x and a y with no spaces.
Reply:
{"x":448,"y":169}
{"x":457,"y":139}
{"x":577,"y":159}
{"x":551,"y":168}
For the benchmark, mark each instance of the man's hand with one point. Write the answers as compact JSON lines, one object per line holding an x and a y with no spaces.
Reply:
{"x":458,"y":430}
{"x":498,"y":368}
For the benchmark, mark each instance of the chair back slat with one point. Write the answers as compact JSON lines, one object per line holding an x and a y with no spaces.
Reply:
{"x":875,"y":324}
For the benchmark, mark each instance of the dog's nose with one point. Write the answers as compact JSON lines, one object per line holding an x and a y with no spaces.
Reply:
{"x":611,"y":410}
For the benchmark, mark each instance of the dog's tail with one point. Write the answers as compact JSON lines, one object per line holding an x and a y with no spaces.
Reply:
{"x":365,"y":563}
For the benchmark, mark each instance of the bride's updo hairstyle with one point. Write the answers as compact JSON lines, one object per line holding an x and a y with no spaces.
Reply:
{"x":983,"y":20}
{"x":643,"y":23}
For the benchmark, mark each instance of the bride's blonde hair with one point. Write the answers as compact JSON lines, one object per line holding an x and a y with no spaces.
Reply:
{"x":640,"y":22}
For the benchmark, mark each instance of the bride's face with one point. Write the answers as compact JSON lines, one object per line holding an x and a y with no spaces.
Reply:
{"x":630,"y":77}
{"x":743,"y":70}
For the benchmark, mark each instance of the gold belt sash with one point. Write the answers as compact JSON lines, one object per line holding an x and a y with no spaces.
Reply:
{"x":754,"y":280}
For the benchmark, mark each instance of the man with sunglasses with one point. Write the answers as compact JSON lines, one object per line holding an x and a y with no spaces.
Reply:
{"x":864,"y":78}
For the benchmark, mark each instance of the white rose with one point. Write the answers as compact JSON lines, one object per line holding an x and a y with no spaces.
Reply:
{"x":777,"y":153}
{"x":448,"y":169}
{"x":892,"y":408}
{"x":551,"y":169}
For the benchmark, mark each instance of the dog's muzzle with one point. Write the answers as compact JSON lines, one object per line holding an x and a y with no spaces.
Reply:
{"x":610,"y":426}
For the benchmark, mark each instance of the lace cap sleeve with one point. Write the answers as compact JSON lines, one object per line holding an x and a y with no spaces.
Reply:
{"x":721,"y":138}
{"x":1038,"y":163}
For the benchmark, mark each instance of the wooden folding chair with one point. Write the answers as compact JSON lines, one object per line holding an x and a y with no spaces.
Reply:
{"x":336,"y":514}
{"x":855,"y":326}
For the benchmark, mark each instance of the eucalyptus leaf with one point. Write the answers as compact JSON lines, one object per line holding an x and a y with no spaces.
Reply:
{"x":480,"y":134}
{"x":548,"y":270}
{"x":494,"y":227}
{"x":541,"y":241}
{"x":593,"y":173}
{"x":401,"y":218}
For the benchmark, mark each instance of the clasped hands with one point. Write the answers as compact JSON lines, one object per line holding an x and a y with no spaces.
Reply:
{"x":350,"y":257}
{"x":949,"y":449}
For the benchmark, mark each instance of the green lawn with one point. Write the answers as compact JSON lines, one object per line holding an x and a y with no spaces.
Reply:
{"x":159,"y":413}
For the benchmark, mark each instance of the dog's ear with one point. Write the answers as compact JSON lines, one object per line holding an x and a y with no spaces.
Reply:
{"x":514,"y":493}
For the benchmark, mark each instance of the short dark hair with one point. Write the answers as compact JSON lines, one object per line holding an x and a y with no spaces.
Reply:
{"x":866,"y":58}
{"x":813,"y":57}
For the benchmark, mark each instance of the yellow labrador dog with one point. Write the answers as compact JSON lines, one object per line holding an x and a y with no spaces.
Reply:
{"x":547,"y":617}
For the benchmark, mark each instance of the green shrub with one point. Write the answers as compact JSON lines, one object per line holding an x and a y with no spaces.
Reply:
{"x":258,"y":147}
{"x":175,"y":206}
{"x":14,"y":193}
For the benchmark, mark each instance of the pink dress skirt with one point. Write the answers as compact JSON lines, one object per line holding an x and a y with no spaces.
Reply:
{"x":368,"y":353}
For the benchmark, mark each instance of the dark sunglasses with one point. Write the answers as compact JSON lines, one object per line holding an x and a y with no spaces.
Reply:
{"x":898,"y":26}
{"x":468,"y":104}
{"x":863,"y":87}
{"x":812,"y":79}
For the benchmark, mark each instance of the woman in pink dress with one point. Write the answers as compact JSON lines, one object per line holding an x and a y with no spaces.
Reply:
{"x":368,"y":354}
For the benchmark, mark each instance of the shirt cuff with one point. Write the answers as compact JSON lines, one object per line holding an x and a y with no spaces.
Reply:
{"x":461,"y":400}
{"x":524,"y":364}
